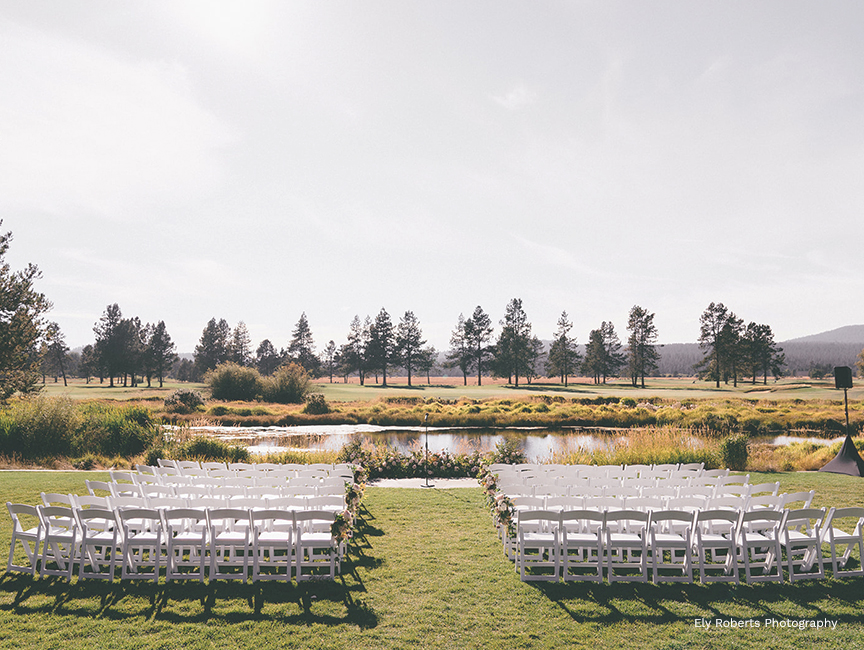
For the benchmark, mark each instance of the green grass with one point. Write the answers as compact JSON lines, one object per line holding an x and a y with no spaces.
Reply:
{"x":425,"y":571}
{"x":668,"y":388}
{"x":79,"y":390}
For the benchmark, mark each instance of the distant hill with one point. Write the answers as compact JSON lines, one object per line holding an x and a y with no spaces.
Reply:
{"x":847,"y":334}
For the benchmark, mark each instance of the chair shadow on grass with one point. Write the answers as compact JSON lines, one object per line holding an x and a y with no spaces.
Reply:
{"x":666,"y":603}
{"x":327,"y":602}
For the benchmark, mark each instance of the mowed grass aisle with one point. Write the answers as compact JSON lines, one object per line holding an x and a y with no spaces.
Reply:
{"x":425,"y":571}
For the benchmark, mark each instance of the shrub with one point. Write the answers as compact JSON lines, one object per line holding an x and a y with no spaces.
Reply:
{"x":231,"y":381}
{"x":115,"y":431}
{"x":733,"y":451}
{"x":290,"y":384}
{"x":184,"y":400}
{"x":37,"y":427}
{"x":205,"y":448}
{"x":316,"y":405}
{"x":508,"y":451}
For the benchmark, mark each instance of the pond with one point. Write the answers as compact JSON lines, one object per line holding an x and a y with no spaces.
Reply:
{"x":538,"y":443}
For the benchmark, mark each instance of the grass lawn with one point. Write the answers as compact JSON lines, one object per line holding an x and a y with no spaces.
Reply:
{"x":453,"y":388}
{"x":425,"y":571}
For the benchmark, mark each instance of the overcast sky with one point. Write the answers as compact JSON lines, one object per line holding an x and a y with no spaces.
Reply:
{"x":255,"y":160}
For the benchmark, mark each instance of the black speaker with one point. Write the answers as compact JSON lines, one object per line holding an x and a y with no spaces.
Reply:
{"x":842,"y":377}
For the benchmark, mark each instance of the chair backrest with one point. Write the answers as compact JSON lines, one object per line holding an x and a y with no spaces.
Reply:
{"x":698,"y":467}
{"x":141,"y":518}
{"x":803,"y":520}
{"x":53,"y":498}
{"x":759,"y":488}
{"x":672,"y":520}
{"x":853,"y":512}
{"x":102,"y":486}
{"x":708,"y":473}
{"x":122,"y":502}
{"x":17,"y":510}
{"x":528,"y":503}
{"x":246,"y":467}
{"x":147,"y":490}
{"x":325,"y":503}
{"x":765,"y":501}
{"x":644,"y":504}
{"x":86,"y":502}
{"x":211,"y":465}
{"x":56,"y":518}
{"x":544,"y":521}
{"x":603,"y":503}
{"x":121,"y":476}
{"x":806,"y":498}
{"x":564,"y":503}
{"x":629,"y":521}
{"x":716,"y":521}
{"x":761,"y":521}
{"x":688,"y":503}
{"x":286,"y":503}
{"x":145,"y":469}
{"x":227,"y":519}
{"x":268,"y":519}
{"x":184,"y":519}
{"x":158,"y":503}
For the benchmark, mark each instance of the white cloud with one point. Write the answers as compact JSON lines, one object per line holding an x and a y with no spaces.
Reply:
{"x":517,"y":98}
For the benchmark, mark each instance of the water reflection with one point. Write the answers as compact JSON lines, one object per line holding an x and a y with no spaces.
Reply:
{"x":538,"y":444}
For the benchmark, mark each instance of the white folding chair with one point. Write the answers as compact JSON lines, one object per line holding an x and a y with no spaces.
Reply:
{"x":670,"y":536}
{"x":98,"y":543}
{"x":229,"y":543}
{"x":59,"y":540}
{"x":581,"y":545}
{"x":102,"y":486}
{"x":538,"y":545}
{"x":317,"y":548}
{"x":27,"y":531}
{"x":837,"y":539}
{"x":186,"y":543}
{"x":142,"y":543}
{"x":759,"y":489}
{"x":55,"y":498}
{"x":273,"y":545}
{"x":626,"y":545}
{"x":758,"y":540}
{"x":714,"y":544}
{"x":801,"y":538}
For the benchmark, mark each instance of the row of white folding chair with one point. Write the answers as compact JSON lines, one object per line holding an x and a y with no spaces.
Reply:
{"x":564,"y":544}
{"x":634,"y":490}
{"x":676,"y":481}
{"x":605,"y":471}
{"x":211,"y":485}
{"x":334,"y":502}
{"x":193,"y":467}
{"x":94,"y":539}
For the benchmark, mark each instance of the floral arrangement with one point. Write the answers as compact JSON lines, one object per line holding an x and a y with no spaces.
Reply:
{"x":353,"y":496}
{"x":504,"y":514}
{"x":489,"y":483}
{"x":342,"y":527}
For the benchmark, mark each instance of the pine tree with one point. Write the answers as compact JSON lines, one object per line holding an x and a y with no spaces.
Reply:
{"x":564,"y":357}
{"x":641,"y":351}
{"x":408,"y":341}
{"x":161,"y":353}
{"x":21,"y":325}
{"x":513,"y":351}
{"x":214,"y":347}
{"x":240,"y":345}
{"x":301,"y":349}
{"x":460,"y":353}
{"x":381,"y":347}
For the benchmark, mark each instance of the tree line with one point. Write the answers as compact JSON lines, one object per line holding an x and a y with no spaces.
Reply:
{"x":126,"y":350}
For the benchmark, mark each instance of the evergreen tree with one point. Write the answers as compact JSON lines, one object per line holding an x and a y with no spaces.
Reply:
{"x":267,"y":358}
{"x":408,"y":341}
{"x":613,"y":358}
{"x":514,"y":351}
{"x":57,"y":350}
{"x":240,"y":346}
{"x":161,"y":353}
{"x":713,"y":338}
{"x":301,"y":350}
{"x":460,"y":353}
{"x":381,"y":347}
{"x":331,"y":358}
{"x":478,"y":333}
{"x":426,"y":362}
{"x":593,"y":364}
{"x":353,"y":353}
{"x":762,"y":352}
{"x":564,"y":357}
{"x":110,"y":342}
{"x":641,"y":351}
{"x":214,"y":346}
{"x":21,"y":325}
